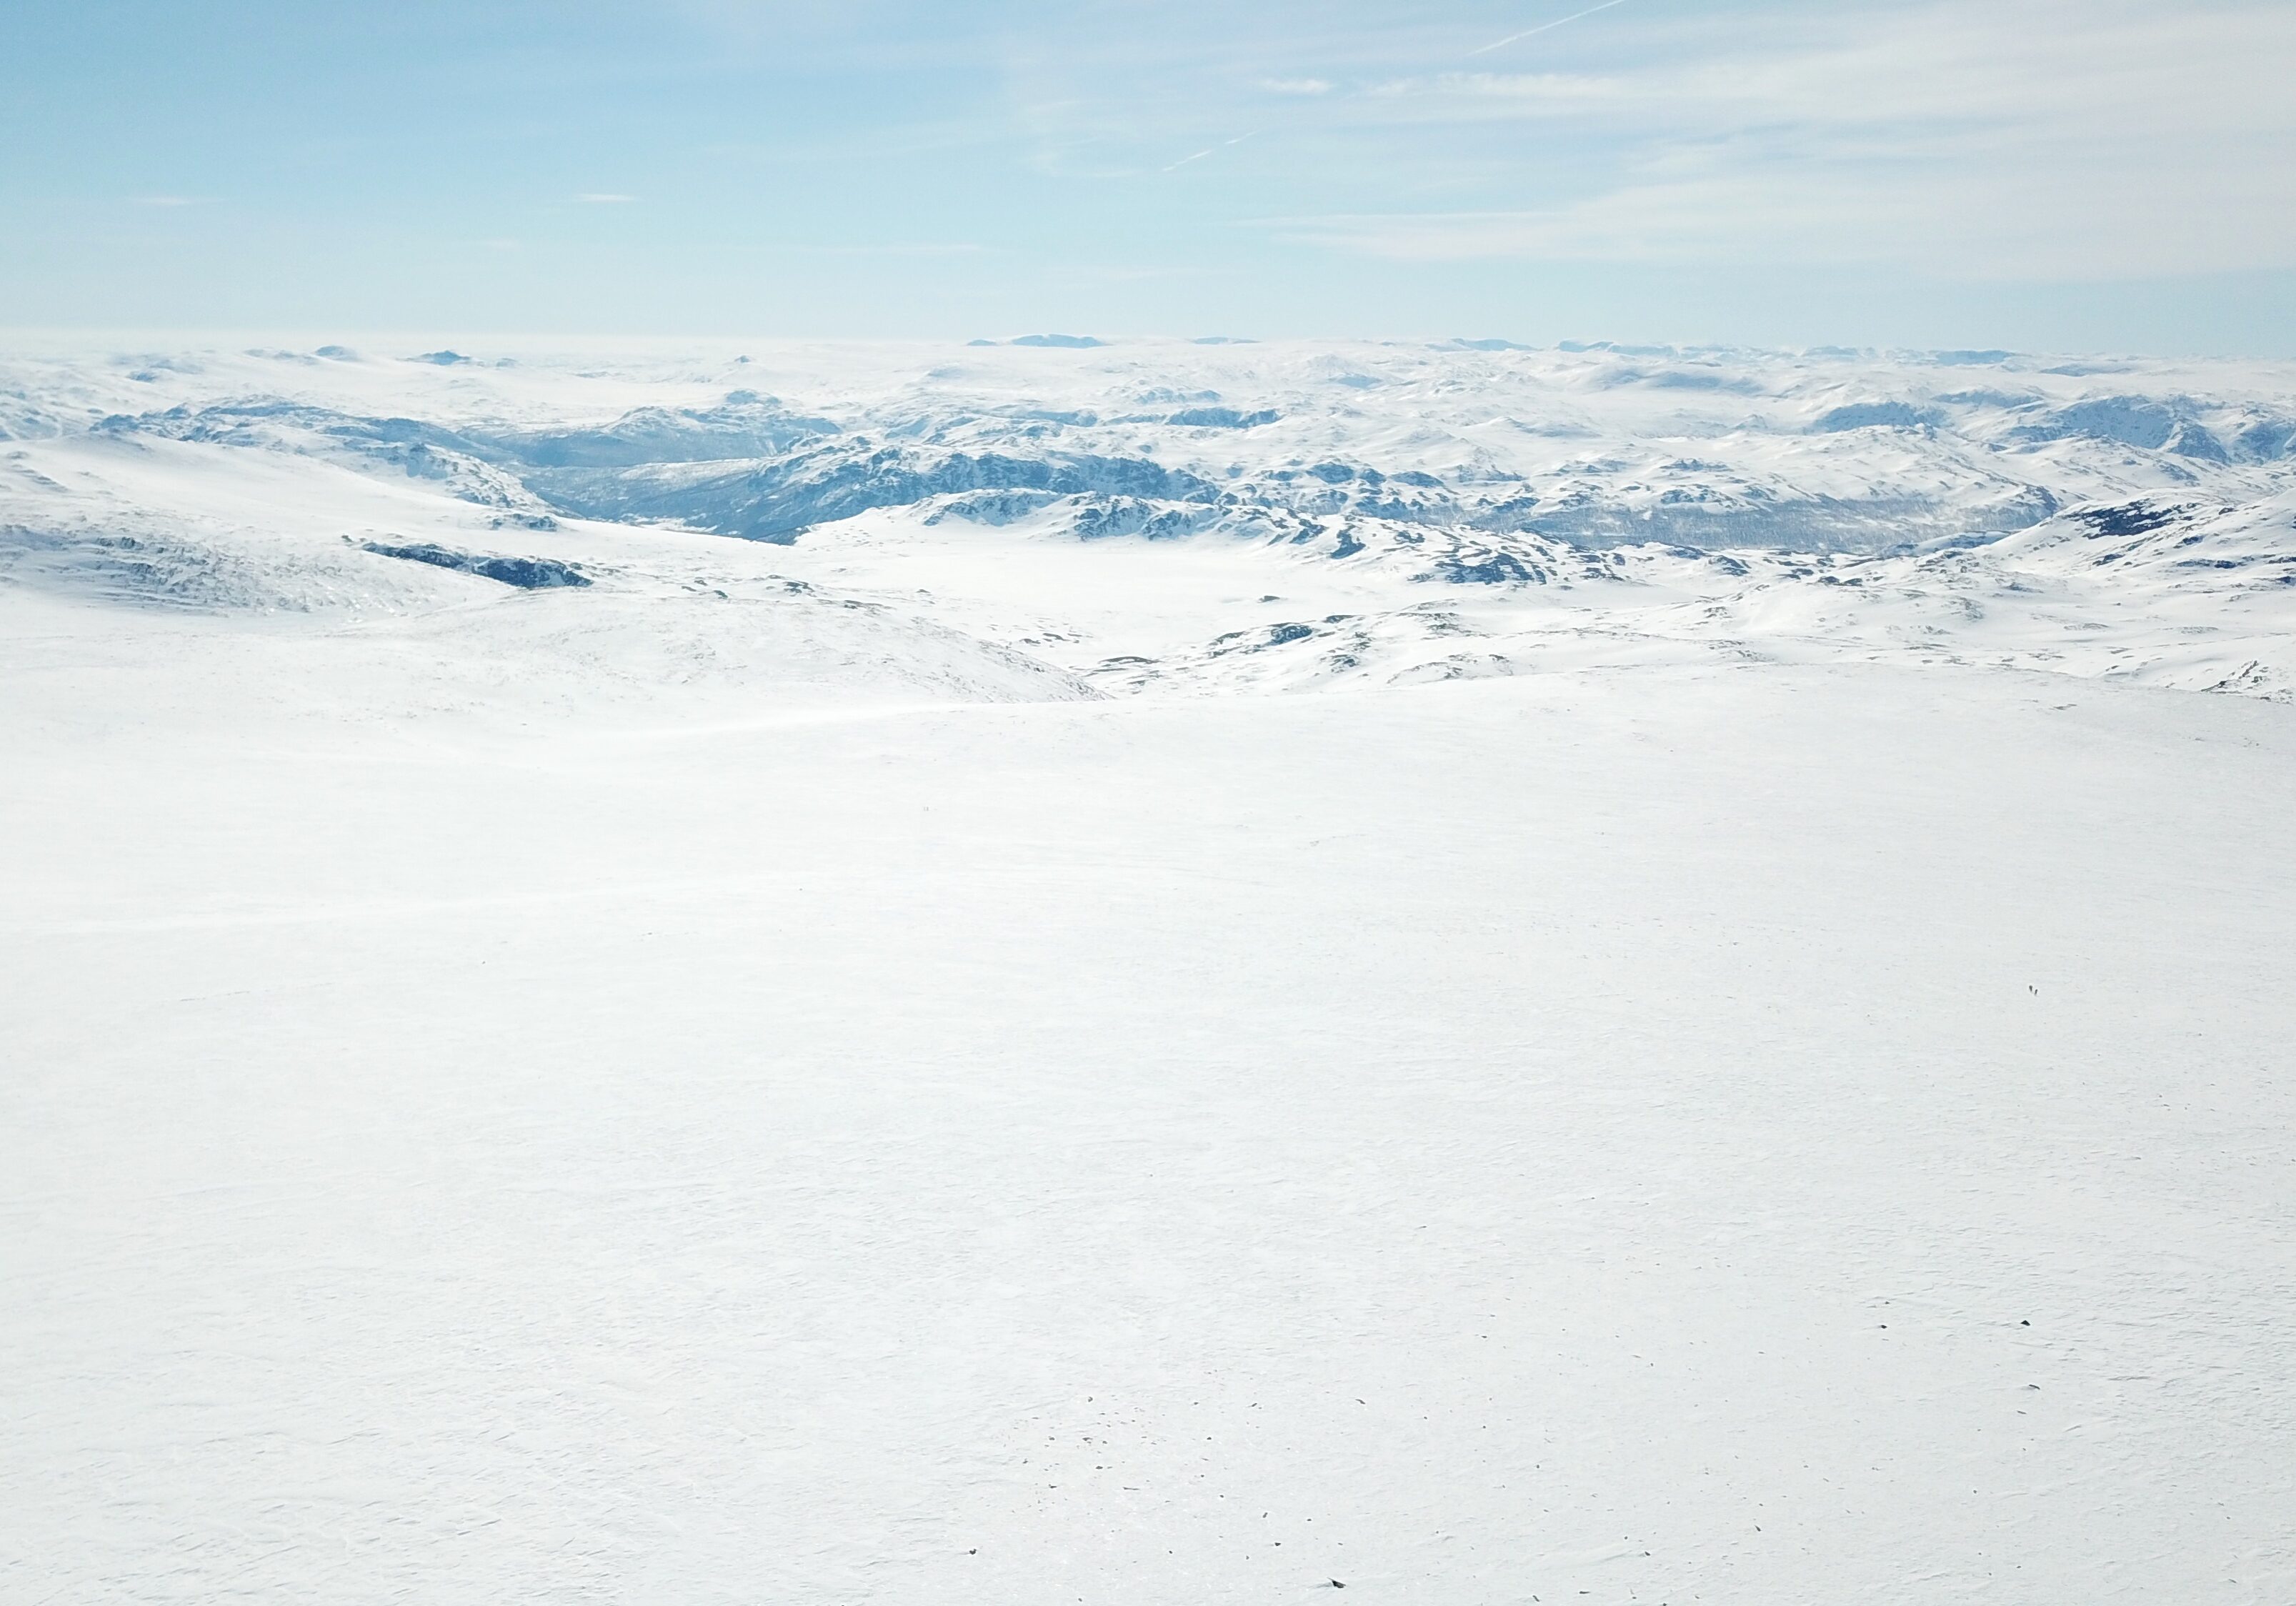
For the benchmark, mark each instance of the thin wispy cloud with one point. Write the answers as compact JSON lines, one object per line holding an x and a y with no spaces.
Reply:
{"x":2066,"y":138}
{"x":928,"y":247}
{"x":1502,"y":95}
{"x":604,"y":199}
{"x":168,"y":200}
{"x":2046,"y":141}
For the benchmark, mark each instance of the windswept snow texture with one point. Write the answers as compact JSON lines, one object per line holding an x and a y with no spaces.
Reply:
{"x":1145,"y":971}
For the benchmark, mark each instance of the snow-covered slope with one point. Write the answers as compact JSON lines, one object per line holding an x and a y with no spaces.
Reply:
{"x":1146,"y":973}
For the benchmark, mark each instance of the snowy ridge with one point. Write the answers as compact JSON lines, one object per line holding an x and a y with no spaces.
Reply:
{"x":1390,"y":513}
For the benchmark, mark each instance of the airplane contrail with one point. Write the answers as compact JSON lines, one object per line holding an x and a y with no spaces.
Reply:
{"x":1542,"y":28}
{"x":1224,"y":145}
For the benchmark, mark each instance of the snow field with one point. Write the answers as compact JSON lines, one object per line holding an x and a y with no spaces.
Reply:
{"x":1669,"y":1132}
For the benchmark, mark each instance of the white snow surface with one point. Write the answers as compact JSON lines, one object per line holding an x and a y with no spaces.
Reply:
{"x":1143,"y":973}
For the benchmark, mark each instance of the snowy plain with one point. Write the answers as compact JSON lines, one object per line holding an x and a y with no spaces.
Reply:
{"x":1147,"y":972}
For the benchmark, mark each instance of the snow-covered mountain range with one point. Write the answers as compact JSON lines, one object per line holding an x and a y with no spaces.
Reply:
{"x":1188,"y":516}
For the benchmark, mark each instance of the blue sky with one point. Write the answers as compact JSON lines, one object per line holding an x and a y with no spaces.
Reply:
{"x":2046,"y":174}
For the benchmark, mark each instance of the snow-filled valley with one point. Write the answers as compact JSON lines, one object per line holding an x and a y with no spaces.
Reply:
{"x":1146,"y":972}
